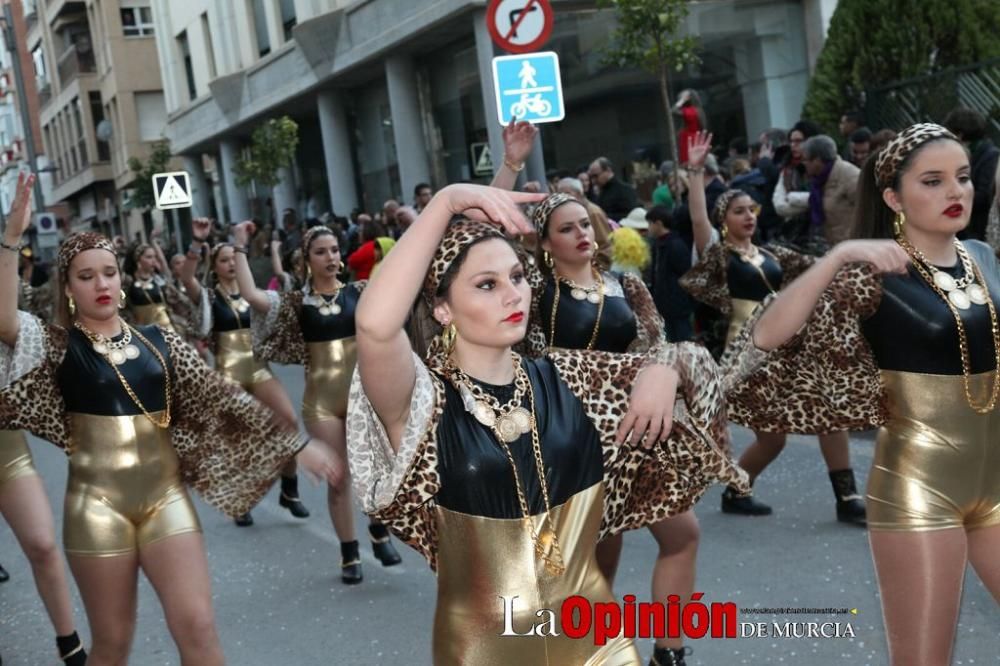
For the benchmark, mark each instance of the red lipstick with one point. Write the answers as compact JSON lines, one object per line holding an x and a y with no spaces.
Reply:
{"x":955,"y":210}
{"x":103,"y":300}
{"x":584,"y":245}
{"x":515,"y":318}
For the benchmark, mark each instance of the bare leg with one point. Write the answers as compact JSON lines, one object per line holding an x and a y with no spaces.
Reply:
{"x":920,"y":579}
{"x":178,"y":570}
{"x":338,"y":498}
{"x":835,"y":450}
{"x":25,"y":506}
{"x":609,"y":552}
{"x":762,"y":452}
{"x":676,"y":563}
{"x":984,"y":544}
{"x":108,"y":588}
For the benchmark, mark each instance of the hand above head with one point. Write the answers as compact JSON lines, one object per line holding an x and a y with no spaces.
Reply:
{"x":650,"y":413}
{"x":766,"y":151}
{"x":201,"y":228}
{"x":518,"y":140}
{"x":242,"y":232}
{"x":489,"y":204}
{"x":886,"y":256}
{"x":19,"y":217}
{"x":699,"y":147}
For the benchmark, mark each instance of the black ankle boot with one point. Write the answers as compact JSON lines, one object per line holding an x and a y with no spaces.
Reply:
{"x":733,"y":502}
{"x":290,"y":497}
{"x":71,"y":650}
{"x":382,"y":545}
{"x":668,"y":657}
{"x":246,"y":520}
{"x":350,"y":563}
{"x":4,"y":576}
{"x":850,"y":505}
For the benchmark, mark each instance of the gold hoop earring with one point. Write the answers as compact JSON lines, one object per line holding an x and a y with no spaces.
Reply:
{"x":725,"y":230}
{"x":899,"y":223}
{"x":547,"y":258}
{"x":71,"y":304}
{"x":448,"y":336}
{"x":122,"y":298}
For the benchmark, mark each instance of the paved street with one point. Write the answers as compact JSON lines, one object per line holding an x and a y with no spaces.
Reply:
{"x":278,"y":599}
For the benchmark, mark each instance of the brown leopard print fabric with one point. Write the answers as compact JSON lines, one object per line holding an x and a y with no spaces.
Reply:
{"x":707,"y":281}
{"x":230,"y":447}
{"x":180,"y":309}
{"x":76,"y":243}
{"x":823,"y":380}
{"x":642,"y":486}
{"x":649,"y":323}
{"x":896,"y":151}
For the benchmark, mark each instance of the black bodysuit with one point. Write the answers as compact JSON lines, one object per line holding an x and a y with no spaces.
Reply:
{"x":224,"y":317}
{"x":745,"y":281}
{"x":139,"y":296}
{"x":575,"y":320}
{"x":320,"y":328}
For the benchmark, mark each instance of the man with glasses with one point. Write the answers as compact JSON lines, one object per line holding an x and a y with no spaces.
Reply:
{"x":616,"y":198}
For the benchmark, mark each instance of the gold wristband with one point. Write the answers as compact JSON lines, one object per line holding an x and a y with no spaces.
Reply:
{"x":510,"y":165}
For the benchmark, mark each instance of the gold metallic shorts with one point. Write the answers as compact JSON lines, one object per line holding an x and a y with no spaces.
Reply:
{"x":937,"y":462}
{"x":234,"y":359}
{"x":328,"y":380}
{"x":155,"y":313}
{"x":124,"y":489}
{"x":742,"y":309}
{"x":15,"y":456}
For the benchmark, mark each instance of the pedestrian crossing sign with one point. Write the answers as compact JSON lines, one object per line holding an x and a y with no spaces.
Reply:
{"x":482,"y":159}
{"x":172,"y":190}
{"x":528,"y":87}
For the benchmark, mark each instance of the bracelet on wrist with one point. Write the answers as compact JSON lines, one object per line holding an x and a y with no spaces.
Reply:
{"x":15,"y":248}
{"x":695,"y":169}
{"x":516,"y":168}
{"x":242,"y":249}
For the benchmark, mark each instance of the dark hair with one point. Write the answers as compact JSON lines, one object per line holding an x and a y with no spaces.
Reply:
{"x":739,"y":144}
{"x":776,"y":137}
{"x":967,"y":124}
{"x":861,"y":135}
{"x":662,"y":215}
{"x":881,"y":138}
{"x":807,"y":128}
{"x":855,"y":117}
{"x":421,"y":186}
{"x":370,"y":230}
{"x":605,"y":164}
{"x":873,"y":218}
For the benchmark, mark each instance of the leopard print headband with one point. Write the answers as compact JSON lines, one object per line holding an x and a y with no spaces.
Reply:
{"x":311,"y":234}
{"x":896,"y":151}
{"x":544,"y":210}
{"x":80,"y":242}
{"x":722,"y":205}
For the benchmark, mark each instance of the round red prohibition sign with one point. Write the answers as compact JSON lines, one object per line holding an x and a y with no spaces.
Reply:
{"x":519,"y":26}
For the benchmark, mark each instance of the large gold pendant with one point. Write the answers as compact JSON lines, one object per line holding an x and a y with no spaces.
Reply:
{"x":977,"y":294}
{"x":959,"y":299}
{"x":578,"y":294}
{"x":945,"y":282}
{"x":242,"y":306}
{"x":327,"y":310}
{"x":757,"y":260}
{"x":512,"y":425}
{"x":594,"y":297}
{"x":547,"y":547}
{"x":131,"y":352}
{"x":484,"y":413}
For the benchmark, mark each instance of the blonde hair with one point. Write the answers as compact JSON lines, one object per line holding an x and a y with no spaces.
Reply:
{"x":629,"y":249}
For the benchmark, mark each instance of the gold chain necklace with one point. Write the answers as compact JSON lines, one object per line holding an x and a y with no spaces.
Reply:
{"x":755,"y":257}
{"x":546,"y":541}
{"x":962,"y":292}
{"x":238,"y":305}
{"x":963,"y":340}
{"x":98,"y":339}
{"x":593,"y":294}
{"x":330,"y":307}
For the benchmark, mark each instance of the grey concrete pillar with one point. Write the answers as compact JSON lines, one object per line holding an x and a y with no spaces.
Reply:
{"x":200,"y":203}
{"x":236,"y":197}
{"x":484,"y":58}
{"x":337,"y":152}
{"x":407,"y":130}
{"x":284,"y":193}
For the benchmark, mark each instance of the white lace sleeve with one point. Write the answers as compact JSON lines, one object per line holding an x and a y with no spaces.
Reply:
{"x":377,"y":471}
{"x":27,"y":353}
{"x":261,"y":325}
{"x":202,"y":314}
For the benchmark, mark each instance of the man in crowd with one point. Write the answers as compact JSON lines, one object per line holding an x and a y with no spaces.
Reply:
{"x":671,"y":260}
{"x":833,"y":188}
{"x":616,"y":198}
{"x":860,"y":146}
{"x":422,"y":194}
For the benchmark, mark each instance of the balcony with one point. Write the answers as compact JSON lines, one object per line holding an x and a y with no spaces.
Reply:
{"x":73,"y":62}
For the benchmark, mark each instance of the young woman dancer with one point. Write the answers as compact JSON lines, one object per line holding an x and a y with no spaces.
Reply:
{"x":140,"y":417}
{"x":222,"y":316}
{"x":900,"y":332}
{"x":314,"y":327}
{"x":580,"y":306}
{"x":150,"y":298}
{"x":505,"y":472}
{"x":734,"y":276}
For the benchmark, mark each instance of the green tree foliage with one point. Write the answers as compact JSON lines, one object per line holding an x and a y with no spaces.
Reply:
{"x":877,"y":42}
{"x":272,"y":147}
{"x":647,"y":36}
{"x":143,"y":195}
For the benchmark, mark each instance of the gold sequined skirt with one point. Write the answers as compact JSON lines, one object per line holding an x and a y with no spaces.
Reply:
{"x":15,"y":456}
{"x":481,"y":560}
{"x":155,"y":313}
{"x":124,"y":489}
{"x":937,"y":462}
{"x":742,"y":310}
{"x":234,"y":359}
{"x":328,"y":381}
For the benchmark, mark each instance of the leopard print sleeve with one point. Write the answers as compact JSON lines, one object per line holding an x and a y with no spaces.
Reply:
{"x":824,"y":379}
{"x":277,"y":335}
{"x":231,"y":448}
{"x":644,"y":486}
{"x":179,"y":308}
{"x":793,"y":264}
{"x":201,"y":314}
{"x":29,"y":395}
{"x":649,"y":327}
{"x":398,"y":487}
{"x":534,"y":344}
{"x":707,"y":281}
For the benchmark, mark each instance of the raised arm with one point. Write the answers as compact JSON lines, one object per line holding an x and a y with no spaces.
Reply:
{"x":253,"y":295}
{"x":17,"y":222}
{"x":161,"y":260}
{"x":518,"y":140}
{"x":385,"y":361}
{"x":699,"y":147}
{"x":276,"y":267}
{"x":201,"y":227}
{"x":795,"y":303}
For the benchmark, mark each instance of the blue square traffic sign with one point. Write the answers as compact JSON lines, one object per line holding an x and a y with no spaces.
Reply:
{"x":528,"y":87}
